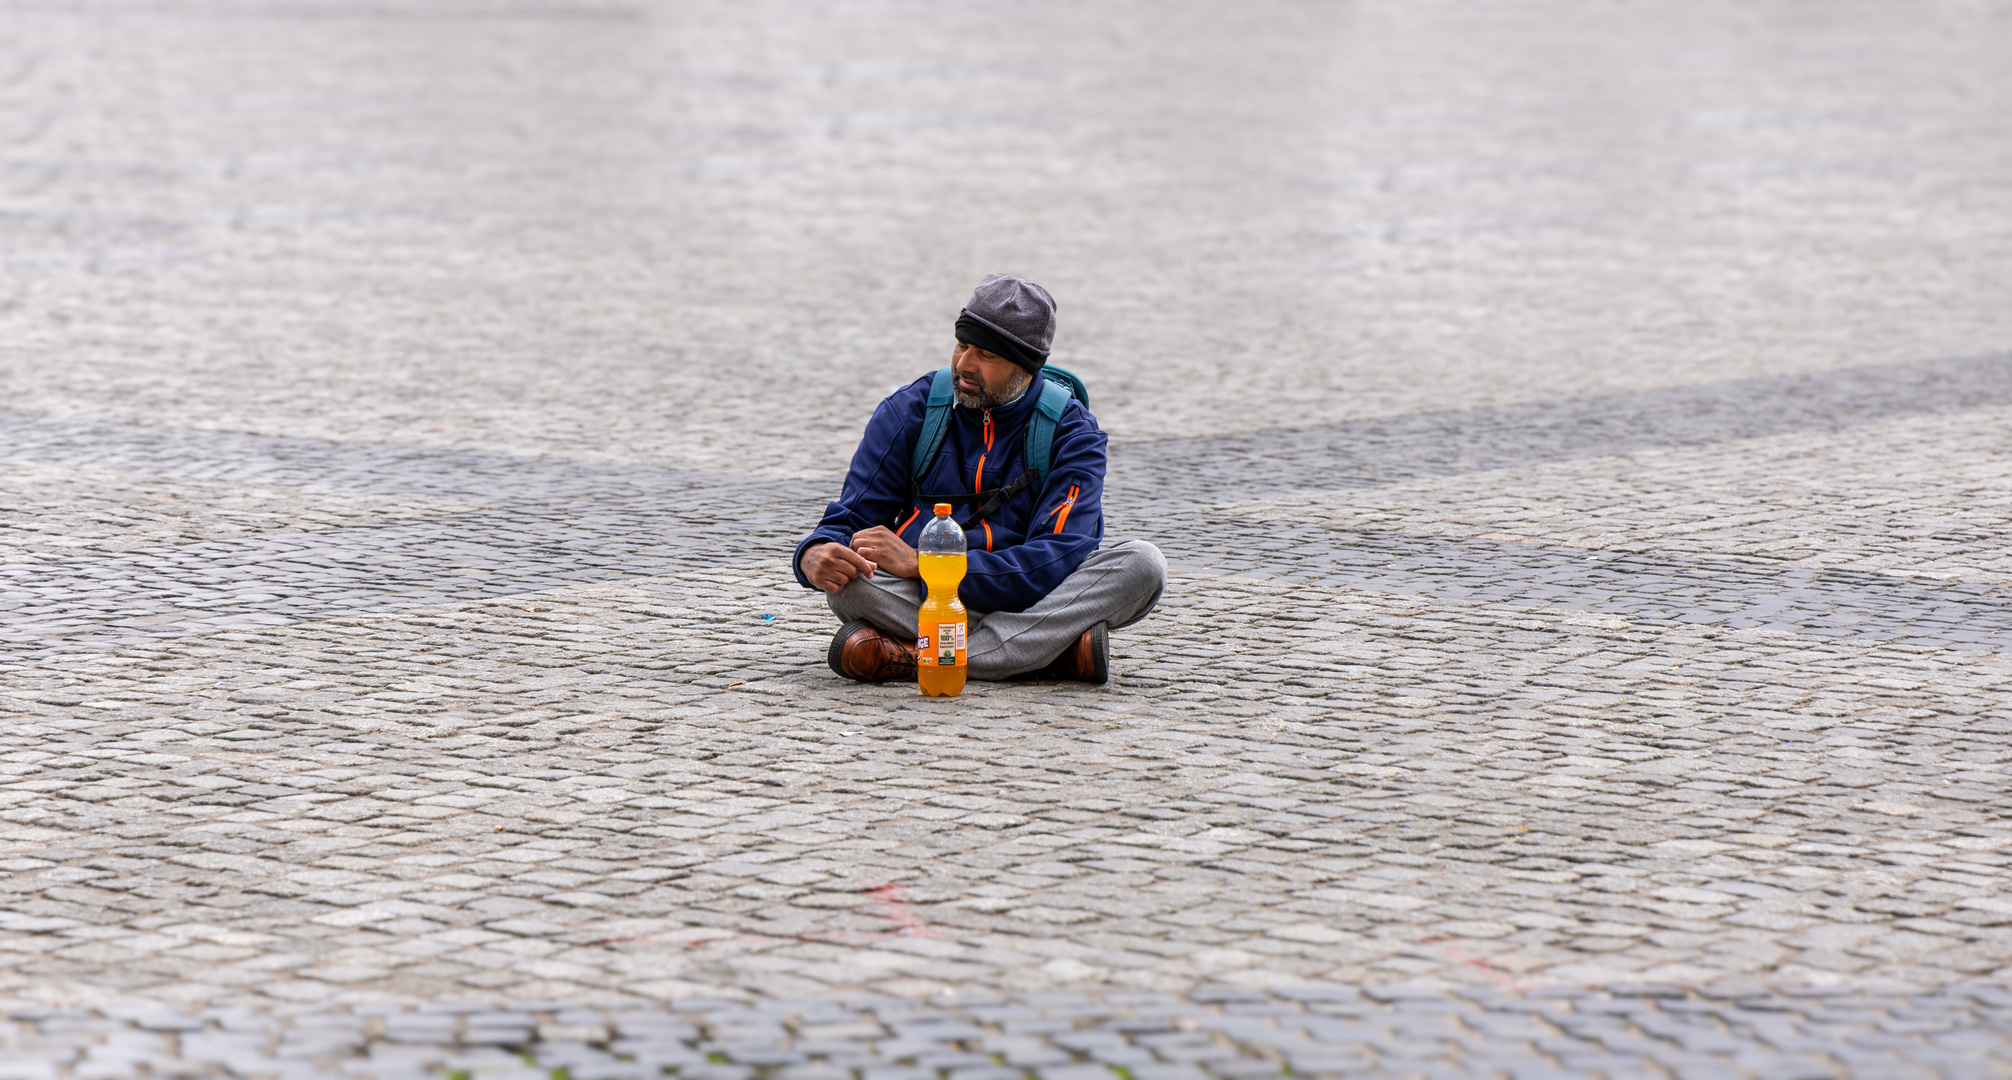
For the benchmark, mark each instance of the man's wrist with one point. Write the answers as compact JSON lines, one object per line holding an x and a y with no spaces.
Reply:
{"x":803,"y":557}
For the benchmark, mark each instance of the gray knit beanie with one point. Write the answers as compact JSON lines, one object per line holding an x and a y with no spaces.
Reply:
{"x":1012,"y":317}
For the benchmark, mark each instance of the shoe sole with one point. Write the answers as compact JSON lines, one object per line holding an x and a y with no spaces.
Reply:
{"x":832,"y":655}
{"x":1100,"y":651}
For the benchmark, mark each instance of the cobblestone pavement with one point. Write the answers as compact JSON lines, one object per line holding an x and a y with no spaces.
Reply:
{"x":1224,"y":1032}
{"x":1578,"y":433}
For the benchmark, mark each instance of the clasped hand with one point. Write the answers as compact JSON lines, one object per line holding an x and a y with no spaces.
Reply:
{"x":832,"y":567}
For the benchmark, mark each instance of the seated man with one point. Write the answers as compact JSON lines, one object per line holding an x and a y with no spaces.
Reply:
{"x":1041,"y":593}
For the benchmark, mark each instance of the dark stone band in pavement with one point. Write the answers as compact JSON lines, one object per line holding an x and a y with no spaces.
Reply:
{"x":1368,"y":453}
{"x":1658,"y":588}
{"x":1359,"y":453}
{"x":330,"y":465}
{"x":568,"y":523}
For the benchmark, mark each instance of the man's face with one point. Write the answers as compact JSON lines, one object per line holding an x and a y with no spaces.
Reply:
{"x":986,"y":380}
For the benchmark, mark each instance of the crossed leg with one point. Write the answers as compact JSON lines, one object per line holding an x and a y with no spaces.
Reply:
{"x":1118,"y":584}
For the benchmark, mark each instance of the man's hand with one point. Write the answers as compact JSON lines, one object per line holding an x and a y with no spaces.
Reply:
{"x":832,"y":567}
{"x":886,"y":550}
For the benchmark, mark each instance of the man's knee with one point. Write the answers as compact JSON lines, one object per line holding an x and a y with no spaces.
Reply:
{"x":1141,"y":562}
{"x":863,"y":598}
{"x":1144,"y":572}
{"x":842,"y":605}
{"x":851,"y":602}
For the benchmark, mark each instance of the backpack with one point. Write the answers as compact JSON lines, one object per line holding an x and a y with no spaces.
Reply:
{"x":1057,"y":388}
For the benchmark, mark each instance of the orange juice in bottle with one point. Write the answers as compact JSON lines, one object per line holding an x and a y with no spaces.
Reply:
{"x":939,"y":634}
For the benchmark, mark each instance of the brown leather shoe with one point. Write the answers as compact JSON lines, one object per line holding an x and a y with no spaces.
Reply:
{"x":1089,"y":659}
{"x":861,"y":651}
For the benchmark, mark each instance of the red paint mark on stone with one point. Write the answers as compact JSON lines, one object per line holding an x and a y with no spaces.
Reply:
{"x":894,"y":908}
{"x":1502,"y":979}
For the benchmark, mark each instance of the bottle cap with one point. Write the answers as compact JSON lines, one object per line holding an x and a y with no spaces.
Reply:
{"x":942,"y":508}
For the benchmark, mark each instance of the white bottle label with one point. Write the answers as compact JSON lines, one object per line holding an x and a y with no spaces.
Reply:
{"x":949,"y":639}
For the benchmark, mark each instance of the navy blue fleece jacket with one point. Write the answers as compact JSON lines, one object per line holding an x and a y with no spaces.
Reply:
{"x":1026,"y":547}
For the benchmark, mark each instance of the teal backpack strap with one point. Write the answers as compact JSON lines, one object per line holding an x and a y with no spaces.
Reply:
{"x":1041,"y":428}
{"x":1069,"y":379}
{"x":935,"y":423}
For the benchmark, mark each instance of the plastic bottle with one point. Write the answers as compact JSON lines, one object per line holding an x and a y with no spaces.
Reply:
{"x":939,"y":633}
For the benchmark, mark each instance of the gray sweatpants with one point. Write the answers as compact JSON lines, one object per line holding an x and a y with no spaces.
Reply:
{"x":1117,"y":584}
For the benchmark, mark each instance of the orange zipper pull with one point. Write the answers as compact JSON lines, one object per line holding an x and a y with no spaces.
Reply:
{"x":978,"y":479}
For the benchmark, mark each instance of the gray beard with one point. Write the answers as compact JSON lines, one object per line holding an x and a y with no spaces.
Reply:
{"x":984,"y":400}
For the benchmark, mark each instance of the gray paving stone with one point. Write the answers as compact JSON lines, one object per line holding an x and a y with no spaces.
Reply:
{"x":1577,"y":434}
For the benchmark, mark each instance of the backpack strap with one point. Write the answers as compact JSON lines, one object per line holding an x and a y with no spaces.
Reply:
{"x":1067,"y":378}
{"x":1041,"y":428}
{"x":935,"y":423}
